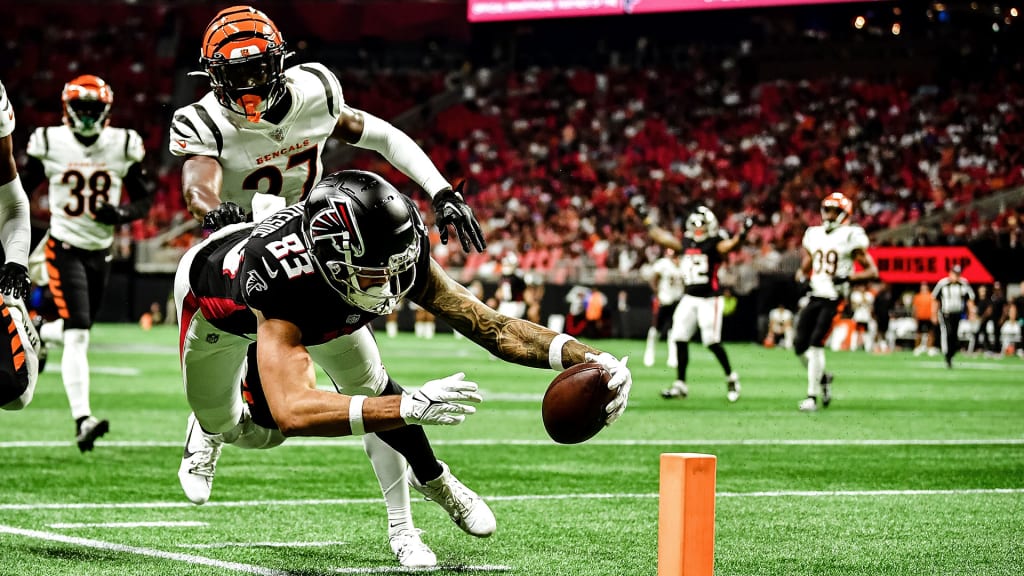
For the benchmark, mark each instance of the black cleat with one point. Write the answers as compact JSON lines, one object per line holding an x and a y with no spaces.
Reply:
{"x":826,"y":389}
{"x":89,"y":430}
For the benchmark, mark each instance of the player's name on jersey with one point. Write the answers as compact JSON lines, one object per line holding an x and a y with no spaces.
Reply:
{"x":283,"y":151}
{"x":86,"y":164}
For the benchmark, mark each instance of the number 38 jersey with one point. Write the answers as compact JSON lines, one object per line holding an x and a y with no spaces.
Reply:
{"x":280,"y":159}
{"x":6,"y":114}
{"x":82,"y":178}
{"x":832,"y":256}
{"x":268,"y":268}
{"x":699,"y":263}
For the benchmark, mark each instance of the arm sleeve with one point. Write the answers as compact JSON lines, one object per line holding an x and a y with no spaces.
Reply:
{"x":402,"y":153}
{"x":15,"y":230}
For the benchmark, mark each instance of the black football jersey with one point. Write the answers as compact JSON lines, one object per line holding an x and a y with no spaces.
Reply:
{"x":700,"y":263}
{"x":271,"y":270}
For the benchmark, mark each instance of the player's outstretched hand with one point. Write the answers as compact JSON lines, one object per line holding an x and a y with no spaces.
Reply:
{"x":226,"y":214}
{"x":621,"y":382}
{"x":441,"y":401}
{"x":14,"y":280}
{"x":450,"y":209}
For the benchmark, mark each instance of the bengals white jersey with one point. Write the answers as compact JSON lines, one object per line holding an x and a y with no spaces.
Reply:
{"x":82,"y":178}
{"x":670,"y":280}
{"x":260,"y":157}
{"x":6,"y":114}
{"x":832,"y":256}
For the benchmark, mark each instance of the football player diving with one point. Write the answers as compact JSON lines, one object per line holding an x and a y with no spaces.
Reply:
{"x":260,"y":133}
{"x":304,"y":283}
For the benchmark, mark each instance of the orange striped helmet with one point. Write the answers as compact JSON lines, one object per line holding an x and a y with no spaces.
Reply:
{"x":243,"y":54}
{"x":836,"y":210}
{"x":86,"y":101}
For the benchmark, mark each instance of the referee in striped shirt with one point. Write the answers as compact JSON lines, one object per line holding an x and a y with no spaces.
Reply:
{"x":951,"y":295}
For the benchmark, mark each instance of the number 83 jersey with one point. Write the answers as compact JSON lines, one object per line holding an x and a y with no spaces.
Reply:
{"x":832,"y":256}
{"x":82,"y":178}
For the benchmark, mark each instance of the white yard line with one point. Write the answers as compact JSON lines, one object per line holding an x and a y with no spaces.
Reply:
{"x":399,"y":570}
{"x":114,"y":547}
{"x":261,"y":545}
{"x":343,"y":443}
{"x":511,"y":498}
{"x":155,"y":524}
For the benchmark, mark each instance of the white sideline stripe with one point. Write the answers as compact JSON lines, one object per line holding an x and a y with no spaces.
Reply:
{"x":113,"y":547}
{"x":401,"y":570}
{"x":330,"y":443}
{"x":261,"y":544}
{"x":183,"y":524}
{"x":115,"y":370}
{"x":512,"y":498}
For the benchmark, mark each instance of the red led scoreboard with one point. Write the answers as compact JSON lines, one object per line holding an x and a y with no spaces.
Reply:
{"x":494,"y":10}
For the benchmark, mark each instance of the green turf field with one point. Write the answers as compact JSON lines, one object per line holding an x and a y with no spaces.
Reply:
{"x":915,"y":469}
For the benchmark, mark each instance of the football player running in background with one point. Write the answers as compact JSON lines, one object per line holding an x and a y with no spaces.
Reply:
{"x":510,"y":293}
{"x":355,"y":248}
{"x":19,"y":368}
{"x":703,"y":250}
{"x":262,"y":130}
{"x":88,"y":165}
{"x":667,"y":283}
{"x":829,"y":253}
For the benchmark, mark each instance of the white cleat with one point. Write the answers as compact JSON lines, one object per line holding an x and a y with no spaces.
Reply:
{"x":808,"y":405}
{"x":464,"y":506}
{"x":672,"y":362}
{"x":734,"y":387}
{"x":410,"y":549}
{"x":678,"y":390}
{"x":199,"y":462}
{"x":649,"y":358}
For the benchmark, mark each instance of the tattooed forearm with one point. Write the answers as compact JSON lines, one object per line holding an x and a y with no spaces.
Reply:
{"x":510,"y":339}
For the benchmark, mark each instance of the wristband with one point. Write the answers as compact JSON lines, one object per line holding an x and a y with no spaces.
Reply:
{"x":555,"y":351}
{"x":355,"y":415}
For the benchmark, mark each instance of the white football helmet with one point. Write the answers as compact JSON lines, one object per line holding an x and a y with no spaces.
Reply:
{"x":701,"y":224}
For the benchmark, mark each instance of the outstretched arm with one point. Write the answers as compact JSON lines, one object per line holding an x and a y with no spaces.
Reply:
{"x":365,"y":130}
{"x":511,"y":339}
{"x":518,"y":341}
{"x":300,"y":409}
{"x":664,"y":238}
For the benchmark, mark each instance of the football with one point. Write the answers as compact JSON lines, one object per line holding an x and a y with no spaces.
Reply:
{"x":574,"y":404}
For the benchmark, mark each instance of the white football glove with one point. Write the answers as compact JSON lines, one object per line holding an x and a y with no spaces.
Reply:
{"x":621,"y":382}
{"x":440,"y":401}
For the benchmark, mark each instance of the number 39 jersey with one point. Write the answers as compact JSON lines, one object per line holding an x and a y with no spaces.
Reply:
{"x":832,"y":256}
{"x":268,"y":268}
{"x":82,"y":178}
{"x":6,"y":114}
{"x":699,"y":263}
{"x":280,"y":159}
